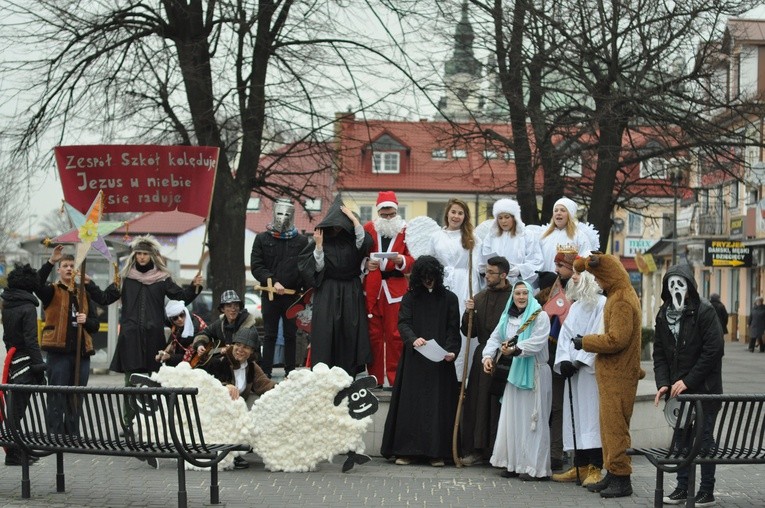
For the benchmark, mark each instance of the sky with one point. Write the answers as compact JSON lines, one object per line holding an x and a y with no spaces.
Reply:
{"x":45,"y":192}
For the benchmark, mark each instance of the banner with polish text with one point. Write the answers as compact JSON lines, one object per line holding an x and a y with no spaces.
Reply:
{"x":139,"y":178}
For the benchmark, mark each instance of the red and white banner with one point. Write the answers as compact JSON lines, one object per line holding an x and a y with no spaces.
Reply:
{"x":139,"y":178}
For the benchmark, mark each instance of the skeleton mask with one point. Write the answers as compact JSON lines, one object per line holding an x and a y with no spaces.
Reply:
{"x":678,"y":290}
{"x":284,"y":214}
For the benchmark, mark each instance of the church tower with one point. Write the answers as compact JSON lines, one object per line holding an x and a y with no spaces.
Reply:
{"x":462,"y":76}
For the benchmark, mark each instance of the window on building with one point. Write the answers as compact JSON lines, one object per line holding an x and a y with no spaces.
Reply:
{"x":253,"y":204}
{"x":634,"y":224}
{"x":402,"y":211}
{"x":752,"y":196}
{"x":313,"y":205}
{"x":572,"y":166}
{"x":365,"y":213}
{"x":489,"y":154}
{"x":509,"y":155}
{"x":704,"y":200}
{"x":654,"y":168}
{"x":459,"y":153}
{"x":438,"y":153}
{"x":385,"y":162}
{"x":733,"y":195}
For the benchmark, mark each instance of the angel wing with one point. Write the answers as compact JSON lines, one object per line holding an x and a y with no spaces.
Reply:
{"x":483,"y":229}
{"x":591,"y":233}
{"x":419,"y":232}
{"x":534,"y":230}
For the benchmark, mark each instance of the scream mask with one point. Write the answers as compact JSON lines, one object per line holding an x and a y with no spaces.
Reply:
{"x":678,"y":290}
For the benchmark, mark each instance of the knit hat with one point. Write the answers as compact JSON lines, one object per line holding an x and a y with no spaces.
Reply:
{"x":247,"y":337}
{"x":570,"y":206}
{"x":230,"y":296}
{"x":566,"y":258}
{"x":387,"y":199}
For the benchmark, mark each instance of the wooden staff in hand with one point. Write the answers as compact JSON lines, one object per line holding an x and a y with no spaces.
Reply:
{"x":465,"y":367}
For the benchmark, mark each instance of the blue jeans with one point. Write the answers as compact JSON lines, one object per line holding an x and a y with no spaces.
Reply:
{"x":707,"y":443}
{"x":62,"y":413}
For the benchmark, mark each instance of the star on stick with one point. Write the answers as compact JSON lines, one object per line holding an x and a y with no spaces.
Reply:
{"x":89,"y":230}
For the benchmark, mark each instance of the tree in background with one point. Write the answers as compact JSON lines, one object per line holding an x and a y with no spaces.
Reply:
{"x":248,"y":76}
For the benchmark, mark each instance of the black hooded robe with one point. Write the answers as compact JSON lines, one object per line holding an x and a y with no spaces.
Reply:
{"x":339,"y":334}
{"x":423,"y":404}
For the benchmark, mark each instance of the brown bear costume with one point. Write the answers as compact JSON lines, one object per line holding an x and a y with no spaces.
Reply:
{"x":617,"y":368}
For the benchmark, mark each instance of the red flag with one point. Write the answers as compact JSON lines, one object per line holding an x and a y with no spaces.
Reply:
{"x":139,"y":178}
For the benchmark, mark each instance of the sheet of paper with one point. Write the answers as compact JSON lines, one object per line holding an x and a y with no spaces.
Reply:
{"x":432,"y":351}
{"x":384,"y":255}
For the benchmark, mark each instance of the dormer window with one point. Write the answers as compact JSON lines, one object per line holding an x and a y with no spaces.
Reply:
{"x":386,"y":162}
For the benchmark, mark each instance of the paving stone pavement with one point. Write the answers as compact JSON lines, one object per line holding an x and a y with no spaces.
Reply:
{"x":116,"y":482}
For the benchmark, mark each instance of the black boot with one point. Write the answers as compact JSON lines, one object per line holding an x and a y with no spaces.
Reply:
{"x":602,"y":484}
{"x":620,"y":486}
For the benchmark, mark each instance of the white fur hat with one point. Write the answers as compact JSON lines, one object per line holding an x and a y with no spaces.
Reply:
{"x":507,"y":205}
{"x":570,"y":206}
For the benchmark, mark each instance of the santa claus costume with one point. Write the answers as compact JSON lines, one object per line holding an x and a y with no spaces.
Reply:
{"x":384,"y":288}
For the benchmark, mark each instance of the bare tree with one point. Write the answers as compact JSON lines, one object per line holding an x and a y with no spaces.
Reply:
{"x":611,"y":84}
{"x":247,"y":76}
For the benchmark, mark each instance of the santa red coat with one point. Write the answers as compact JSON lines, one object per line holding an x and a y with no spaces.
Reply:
{"x":392,"y":288}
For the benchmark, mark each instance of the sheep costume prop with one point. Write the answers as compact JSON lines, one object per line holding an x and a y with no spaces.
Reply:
{"x":312,"y":415}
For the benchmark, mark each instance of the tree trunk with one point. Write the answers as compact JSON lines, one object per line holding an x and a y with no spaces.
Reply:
{"x":611,"y":130}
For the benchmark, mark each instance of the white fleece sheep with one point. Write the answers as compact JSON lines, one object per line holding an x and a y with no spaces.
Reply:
{"x":292,"y":427}
{"x":297,"y":424}
{"x":223,"y":420}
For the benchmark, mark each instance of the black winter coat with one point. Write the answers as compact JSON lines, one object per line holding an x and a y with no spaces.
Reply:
{"x":697,"y":356}
{"x":142,"y":320}
{"x":20,"y":323}
{"x":278,"y":259}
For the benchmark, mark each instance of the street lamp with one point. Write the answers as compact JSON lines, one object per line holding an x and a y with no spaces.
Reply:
{"x":676,"y":177}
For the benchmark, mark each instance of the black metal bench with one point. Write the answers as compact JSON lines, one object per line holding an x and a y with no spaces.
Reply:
{"x":167,"y":425}
{"x":739,"y":436}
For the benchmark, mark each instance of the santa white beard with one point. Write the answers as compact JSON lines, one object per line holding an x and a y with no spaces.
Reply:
{"x":389,"y":228}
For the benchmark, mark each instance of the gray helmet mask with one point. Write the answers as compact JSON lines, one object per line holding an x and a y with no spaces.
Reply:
{"x":284,"y":215}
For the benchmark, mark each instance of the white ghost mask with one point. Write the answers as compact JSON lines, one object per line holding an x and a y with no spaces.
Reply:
{"x":678,"y":291}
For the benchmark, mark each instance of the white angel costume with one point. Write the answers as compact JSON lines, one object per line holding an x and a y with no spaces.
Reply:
{"x":584,"y":317}
{"x":586,"y":239}
{"x":522,"y":250}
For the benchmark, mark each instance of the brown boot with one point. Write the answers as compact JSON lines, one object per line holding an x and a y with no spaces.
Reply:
{"x":571,"y":474}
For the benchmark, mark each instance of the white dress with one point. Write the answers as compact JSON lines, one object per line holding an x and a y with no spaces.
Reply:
{"x":559,"y":237}
{"x":523,"y":433}
{"x":447,"y":248}
{"x":521,"y":250}
{"x":582,"y":319}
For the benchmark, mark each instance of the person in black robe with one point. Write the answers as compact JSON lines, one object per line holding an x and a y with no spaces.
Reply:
{"x":424,"y":400}
{"x":331,"y":263}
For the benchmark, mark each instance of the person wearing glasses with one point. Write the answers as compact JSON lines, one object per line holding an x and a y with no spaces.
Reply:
{"x":481,"y":411}
{"x":385,"y":285}
{"x":184,"y":326}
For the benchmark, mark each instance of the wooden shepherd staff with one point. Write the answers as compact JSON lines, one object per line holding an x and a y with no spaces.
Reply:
{"x":80,"y":326}
{"x":465,"y":366}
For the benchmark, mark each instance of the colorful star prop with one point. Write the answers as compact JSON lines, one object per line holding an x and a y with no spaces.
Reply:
{"x":89,"y":230}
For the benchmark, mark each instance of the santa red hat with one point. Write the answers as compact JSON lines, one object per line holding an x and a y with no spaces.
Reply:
{"x":386,"y":199}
